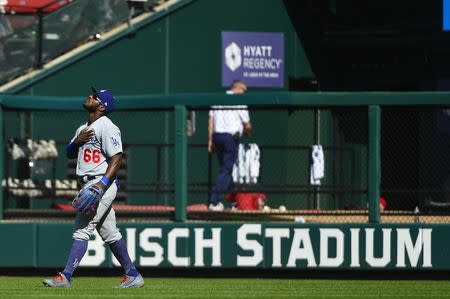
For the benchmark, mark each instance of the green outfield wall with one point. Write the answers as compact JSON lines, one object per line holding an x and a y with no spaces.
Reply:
{"x":238,"y":245}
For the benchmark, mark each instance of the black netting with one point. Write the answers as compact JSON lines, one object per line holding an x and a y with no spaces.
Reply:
{"x":415,"y":166}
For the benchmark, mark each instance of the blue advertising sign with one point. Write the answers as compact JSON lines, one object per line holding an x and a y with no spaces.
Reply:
{"x":446,"y":15}
{"x":256,"y":58}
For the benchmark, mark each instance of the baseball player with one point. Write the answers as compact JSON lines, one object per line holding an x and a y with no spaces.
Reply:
{"x":98,"y":146}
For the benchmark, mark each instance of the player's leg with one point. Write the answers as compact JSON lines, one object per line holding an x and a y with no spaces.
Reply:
{"x":82,"y":232}
{"x":83,"y":229}
{"x":80,"y":236}
{"x":111,"y":235}
{"x":77,"y":251}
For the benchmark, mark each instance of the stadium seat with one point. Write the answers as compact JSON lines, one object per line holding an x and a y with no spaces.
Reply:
{"x":32,"y":6}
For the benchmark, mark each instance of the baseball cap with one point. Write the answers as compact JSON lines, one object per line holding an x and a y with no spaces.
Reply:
{"x":106,"y":98}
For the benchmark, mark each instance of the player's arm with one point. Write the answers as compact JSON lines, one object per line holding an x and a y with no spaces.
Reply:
{"x":88,"y":198}
{"x":84,"y":136}
{"x":114,"y":164}
{"x":112,"y":147}
{"x":210,"y":133}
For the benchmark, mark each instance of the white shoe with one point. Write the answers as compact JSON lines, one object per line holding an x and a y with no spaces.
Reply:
{"x":131,"y":282}
{"x":59,"y":280}
{"x":217,"y":207}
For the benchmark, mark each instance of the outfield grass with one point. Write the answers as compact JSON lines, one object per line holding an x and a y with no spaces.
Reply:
{"x":94,"y":287}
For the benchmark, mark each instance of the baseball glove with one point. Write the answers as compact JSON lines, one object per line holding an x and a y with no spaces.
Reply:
{"x":87,"y":199}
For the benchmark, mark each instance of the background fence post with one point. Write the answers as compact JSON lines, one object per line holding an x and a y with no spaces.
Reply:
{"x":39,"y":38}
{"x":2,"y":159}
{"x":374,"y":163}
{"x":180,"y":163}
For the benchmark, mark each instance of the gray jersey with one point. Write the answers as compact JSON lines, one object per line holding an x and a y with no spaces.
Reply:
{"x":93,"y":156}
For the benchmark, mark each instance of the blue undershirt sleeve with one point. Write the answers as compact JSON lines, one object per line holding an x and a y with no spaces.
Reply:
{"x":72,"y":150}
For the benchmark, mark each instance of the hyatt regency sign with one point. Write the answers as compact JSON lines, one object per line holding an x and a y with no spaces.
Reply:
{"x":256,"y":58}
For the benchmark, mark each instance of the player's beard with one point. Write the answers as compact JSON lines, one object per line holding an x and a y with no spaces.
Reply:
{"x":88,"y":108}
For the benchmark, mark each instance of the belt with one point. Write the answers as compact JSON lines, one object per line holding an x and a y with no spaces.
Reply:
{"x":84,"y":179}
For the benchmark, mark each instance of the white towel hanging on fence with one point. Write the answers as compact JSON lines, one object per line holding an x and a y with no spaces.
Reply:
{"x":317,"y":165}
{"x":246,"y":168}
{"x":254,"y":163}
{"x":239,"y":166}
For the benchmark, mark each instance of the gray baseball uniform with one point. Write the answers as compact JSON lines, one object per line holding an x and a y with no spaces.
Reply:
{"x":92,"y":162}
{"x":93,"y":155}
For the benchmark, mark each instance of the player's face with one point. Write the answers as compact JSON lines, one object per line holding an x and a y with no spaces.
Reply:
{"x":92,"y":103}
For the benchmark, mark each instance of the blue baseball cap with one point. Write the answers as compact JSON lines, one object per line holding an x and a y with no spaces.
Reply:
{"x":106,"y":98}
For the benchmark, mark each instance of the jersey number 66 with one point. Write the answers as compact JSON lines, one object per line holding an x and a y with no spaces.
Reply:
{"x":93,"y":156}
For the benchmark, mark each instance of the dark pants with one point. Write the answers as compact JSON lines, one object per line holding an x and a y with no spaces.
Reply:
{"x":226,"y":146}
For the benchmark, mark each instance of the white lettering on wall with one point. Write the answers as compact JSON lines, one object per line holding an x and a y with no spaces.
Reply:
{"x":286,"y":249}
{"x":250,"y":245}
{"x":354,"y":263}
{"x":276,"y":234}
{"x":201,"y":243}
{"x":148,"y":246}
{"x":172,"y":238}
{"x":404,"y":243}
{"x":386,"y":257}
{"x":297,"y":252}
{"x":325,"y":259}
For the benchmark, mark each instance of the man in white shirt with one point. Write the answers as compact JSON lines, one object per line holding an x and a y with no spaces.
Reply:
{"x":225,"y":126}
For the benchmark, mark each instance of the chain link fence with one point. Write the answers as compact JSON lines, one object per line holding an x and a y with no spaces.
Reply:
{"x":415,"y":165}
{"x":283,"y":173}
{"x":287,"y":183}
